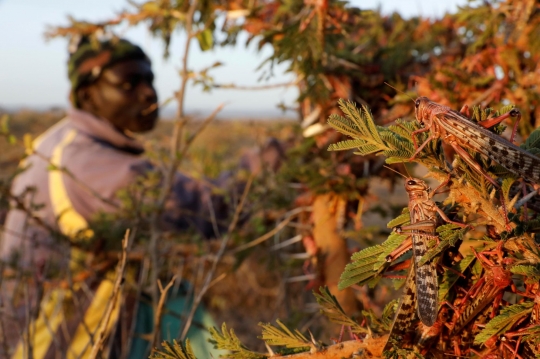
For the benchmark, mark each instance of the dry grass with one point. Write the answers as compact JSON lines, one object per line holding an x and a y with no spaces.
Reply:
{"x":217,"y":149}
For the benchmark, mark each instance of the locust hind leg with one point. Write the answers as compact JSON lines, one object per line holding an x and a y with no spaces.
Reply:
{"x":399,"y":251}
{"x":496,"y":120}
{"x":471,"y":162}
{"x":415,"y":144}
{"x":465,"y":110}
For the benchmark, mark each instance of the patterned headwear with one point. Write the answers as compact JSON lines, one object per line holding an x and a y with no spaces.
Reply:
{"x":89,"y":59}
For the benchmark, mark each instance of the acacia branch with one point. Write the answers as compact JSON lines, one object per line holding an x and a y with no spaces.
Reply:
{"x":157,"y":316}
{"x":288,"y":217}
{"x":250,"y":88}
{"x":175,"y":162}
{"x":113,"y":301}
{"x":180,"y":95}
{"x":208,"y":280}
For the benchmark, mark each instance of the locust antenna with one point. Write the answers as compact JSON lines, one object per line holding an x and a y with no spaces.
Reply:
{"x":393,"y":170}
{"x":406,"y":171}
{"x":387,"y":84}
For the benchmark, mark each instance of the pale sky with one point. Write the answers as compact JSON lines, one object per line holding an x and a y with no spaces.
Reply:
{"x":33,"y":72}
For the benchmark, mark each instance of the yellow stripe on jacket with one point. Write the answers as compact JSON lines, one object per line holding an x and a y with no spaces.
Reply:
{"x":42,"y":331}
{"x":85,"y":335}
{"x":70,"y":223}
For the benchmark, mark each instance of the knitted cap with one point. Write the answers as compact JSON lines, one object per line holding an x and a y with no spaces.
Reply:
{"x":90,"y":58}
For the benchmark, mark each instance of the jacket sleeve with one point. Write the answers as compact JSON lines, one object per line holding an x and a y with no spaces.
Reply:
{"x":193,"y":205}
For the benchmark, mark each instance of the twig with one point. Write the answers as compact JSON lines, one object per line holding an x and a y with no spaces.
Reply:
{"x":217,"y":280}
{"x":3,"y":337}
{"x":221,"y":252}
{"x":177,"y":132}
{"x":251,"y":88}
{"x":215,"y":227}
{"x":113,"y":301}
{"x":29,"y":341}
{"x":198,"y":131}
{"x":142,"y":278}
{"x":240,"y":205}
{"x":288,"y":217}
{"x":286,"y":243}
{"x":176,"y":154}
{"x":157,"y":316}
{"x":525,"y":199}
{"x":20,"y":205}
{"x":79,"y":311}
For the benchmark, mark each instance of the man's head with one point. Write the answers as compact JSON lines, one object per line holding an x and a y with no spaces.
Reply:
{"x":113,"y":80}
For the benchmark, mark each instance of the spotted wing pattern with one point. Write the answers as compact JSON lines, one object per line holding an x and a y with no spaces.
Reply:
{"x":405,"y":315}
{"x":469,"y":134}
{"x":426,"y":274}
{"x":530,"y":349}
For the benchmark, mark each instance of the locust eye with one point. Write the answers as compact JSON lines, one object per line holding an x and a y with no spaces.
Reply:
{"x":411,"y":183}
{"x":417,"y":103}
{"x":514,"y":112}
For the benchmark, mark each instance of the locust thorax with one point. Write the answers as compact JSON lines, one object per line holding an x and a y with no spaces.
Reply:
{"x":417,"y":189}
{"x":502,"y":278}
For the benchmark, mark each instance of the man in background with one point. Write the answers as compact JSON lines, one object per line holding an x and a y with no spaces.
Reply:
{"x":73,"y":173}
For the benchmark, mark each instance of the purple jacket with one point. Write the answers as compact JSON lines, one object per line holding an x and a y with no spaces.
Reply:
{"x":102,"y":158}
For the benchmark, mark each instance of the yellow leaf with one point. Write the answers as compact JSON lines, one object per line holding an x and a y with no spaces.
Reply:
{"x":206,"y":39}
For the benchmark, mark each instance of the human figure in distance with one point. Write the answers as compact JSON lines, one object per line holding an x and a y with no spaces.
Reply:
{"x":113,"y":96}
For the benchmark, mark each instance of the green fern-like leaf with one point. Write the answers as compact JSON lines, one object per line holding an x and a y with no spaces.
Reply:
{"x":402,"y":219}
{"x":346,"y":145}
{"x":505,"y":187}
{"x":344,"y":125}
{"x":535,"y":151}
{"x":404,"y":128}
{"x":532,"y":335}
{"x":369,"y":262}
{"x":363,"y":119}
{"x":227,"y":340}
{"x":449,"y":234}
{"x":388,"y":314}
{"x":504,"y":321}
{"x":384,"y":323}
{"x":367,"y":149}
{"x":332,"y":310}
{"x":504,"y":109}
{"x":533,"y":141}
{"x":399,"y":157}
{"x":360,"y":126}
{"x":477,"y":114}
{"x":446,"y":229}
{"x":282,"y":335}
{"x":174,"y":350}
{"x":531,"y":273}
{"x":397,"y":145}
